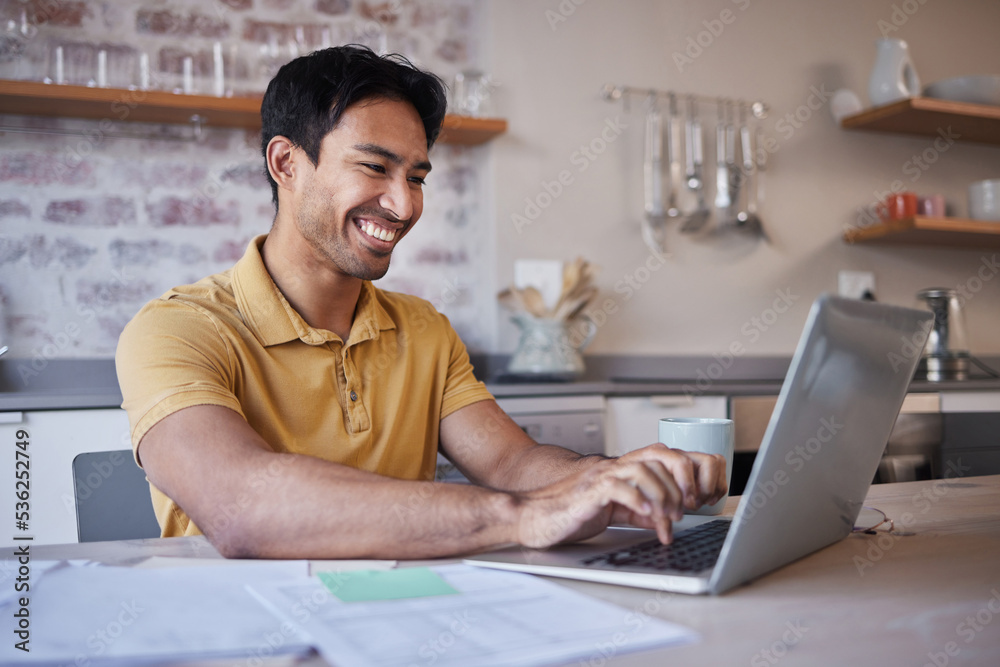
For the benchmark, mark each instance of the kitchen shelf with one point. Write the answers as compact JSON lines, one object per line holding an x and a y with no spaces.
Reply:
{"x":927,"y":116}
{"x":153,"y":106}
{"x":468,"y":131}
{"x":926,"y":231}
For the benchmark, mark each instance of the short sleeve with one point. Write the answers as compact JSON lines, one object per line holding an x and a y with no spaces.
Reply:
{"x":171,"y":356}
{"x":461,"y":387}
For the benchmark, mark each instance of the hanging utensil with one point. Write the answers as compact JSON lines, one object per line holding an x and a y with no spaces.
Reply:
{"x":675,"y":172}
{"x":738,"y":175}
{"x":697,"y":218}
{"x":654,"y":160}
{"x":748,"y":220}
{"x":735,"y":177}
{"x":722,"y":187}
{"x":652,"y":224}
{"x":743,"y":215}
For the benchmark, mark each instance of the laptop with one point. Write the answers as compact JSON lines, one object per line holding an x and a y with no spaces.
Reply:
{"x":837,"y":406}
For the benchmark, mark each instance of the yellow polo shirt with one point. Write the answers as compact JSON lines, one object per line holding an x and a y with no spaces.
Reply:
{"x":231,"y":339}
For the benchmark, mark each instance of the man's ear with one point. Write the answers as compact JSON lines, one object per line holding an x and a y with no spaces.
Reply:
{"x":281,"y":161}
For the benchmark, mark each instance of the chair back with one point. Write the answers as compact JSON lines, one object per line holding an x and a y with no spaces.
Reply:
{"x":112,"y":498}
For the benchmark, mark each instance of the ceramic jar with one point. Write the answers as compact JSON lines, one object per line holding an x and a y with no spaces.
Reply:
{"x":893,"y":77}
{"x":550,"y":347}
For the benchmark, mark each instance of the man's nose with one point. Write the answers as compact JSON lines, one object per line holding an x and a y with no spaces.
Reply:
{"x":398,"y":199}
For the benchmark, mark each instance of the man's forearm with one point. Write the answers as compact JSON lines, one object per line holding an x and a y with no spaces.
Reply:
{"x":310,"y":508}
{"x":541,"y":465}
{"x":253,"y":502}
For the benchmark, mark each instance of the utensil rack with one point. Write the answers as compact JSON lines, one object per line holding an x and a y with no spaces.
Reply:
{"x":676,"y":192}
{"x":614,"y":93}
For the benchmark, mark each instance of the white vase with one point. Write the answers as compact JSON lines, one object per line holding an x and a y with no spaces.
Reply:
{"x":893,"y":77}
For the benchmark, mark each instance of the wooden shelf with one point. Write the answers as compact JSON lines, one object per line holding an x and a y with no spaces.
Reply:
{"x":927,"y":116}
{"x":922,"y":231}
{"x":467,"y":131}
{"x":32,"y":98}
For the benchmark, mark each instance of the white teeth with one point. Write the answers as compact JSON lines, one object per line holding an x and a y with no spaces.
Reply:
{"x":378,"y":232}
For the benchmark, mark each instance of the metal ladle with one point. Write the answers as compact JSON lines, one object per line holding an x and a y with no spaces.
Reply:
{"x":748,"y":220}
{"x":697,"y":218}
{"x":654,"y":214}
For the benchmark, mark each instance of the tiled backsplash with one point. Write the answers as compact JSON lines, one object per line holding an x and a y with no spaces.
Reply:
{"x":92,"y":225}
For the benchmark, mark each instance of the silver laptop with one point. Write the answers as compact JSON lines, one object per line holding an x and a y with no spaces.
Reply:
{"x":837,"y":406}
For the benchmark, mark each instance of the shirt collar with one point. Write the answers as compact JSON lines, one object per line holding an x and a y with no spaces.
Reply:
{"x":273,"y":320}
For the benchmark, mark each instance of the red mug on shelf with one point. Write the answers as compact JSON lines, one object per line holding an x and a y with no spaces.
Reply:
{"x":898,"y":206}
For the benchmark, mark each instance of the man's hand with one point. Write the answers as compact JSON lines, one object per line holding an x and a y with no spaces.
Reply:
{"x":648,"y":488}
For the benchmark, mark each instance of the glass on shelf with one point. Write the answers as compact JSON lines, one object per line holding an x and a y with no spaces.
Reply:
{"x":471,"y":92}
{"x":22,"y":55}
{"x":79,"y":64}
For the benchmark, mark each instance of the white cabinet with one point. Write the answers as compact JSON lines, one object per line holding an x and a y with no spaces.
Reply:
{"x":632,"y":422}
{"x":970,"y":401}
{"x":54,"y":439}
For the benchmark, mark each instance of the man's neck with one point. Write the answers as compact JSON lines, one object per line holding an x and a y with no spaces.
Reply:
{"x":324,"y":297}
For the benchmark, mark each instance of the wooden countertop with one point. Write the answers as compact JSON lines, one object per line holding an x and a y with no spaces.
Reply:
{"x":867,"y":600}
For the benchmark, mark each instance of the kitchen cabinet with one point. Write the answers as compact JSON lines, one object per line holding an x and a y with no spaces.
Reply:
{"x":112,"y":105}
{"x":574,"y":422}
{"x":925,"y":116}
{"x":632,"y":421}
{"x":970,"y":401}
{"x":55,"y":437}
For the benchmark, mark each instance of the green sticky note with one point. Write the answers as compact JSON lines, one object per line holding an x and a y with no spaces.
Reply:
{"x":398,"y":584}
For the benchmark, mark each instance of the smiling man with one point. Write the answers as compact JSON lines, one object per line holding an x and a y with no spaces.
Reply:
{"x":287,"y":408}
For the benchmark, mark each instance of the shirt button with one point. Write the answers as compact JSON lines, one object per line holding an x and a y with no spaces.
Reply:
{"x":354,"y":396}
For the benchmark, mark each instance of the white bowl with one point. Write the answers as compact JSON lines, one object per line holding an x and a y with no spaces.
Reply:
{"x":978,"y":89}
{"x":984,"y":200}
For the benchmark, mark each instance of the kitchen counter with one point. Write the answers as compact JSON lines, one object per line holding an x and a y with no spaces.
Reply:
{"x":70,"y":384}
{"x":614,"y":375}
{"x":58,"y":384}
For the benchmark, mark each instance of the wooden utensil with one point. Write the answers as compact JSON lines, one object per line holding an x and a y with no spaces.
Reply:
{"x":534,"y":302}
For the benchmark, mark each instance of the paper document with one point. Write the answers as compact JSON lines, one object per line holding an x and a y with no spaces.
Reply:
{"x":498,"y":618}
{"x":97,"y":615}
{"x":314,"y":565}
{"x":10,"y":591}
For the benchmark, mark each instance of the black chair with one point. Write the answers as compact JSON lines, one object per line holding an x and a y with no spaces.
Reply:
{"x":112,"y":498}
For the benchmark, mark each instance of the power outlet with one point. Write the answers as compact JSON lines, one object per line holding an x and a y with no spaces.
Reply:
{"x":854,"y":284}
{"x":546,"y":275}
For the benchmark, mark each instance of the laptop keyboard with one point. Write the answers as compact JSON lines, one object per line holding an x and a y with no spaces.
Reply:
{"x":692,"y":550}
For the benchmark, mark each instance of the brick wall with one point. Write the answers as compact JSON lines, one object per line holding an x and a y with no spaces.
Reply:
{"x":93,"y":225}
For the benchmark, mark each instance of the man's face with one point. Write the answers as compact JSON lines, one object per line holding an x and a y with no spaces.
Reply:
{"x":366,"y":192}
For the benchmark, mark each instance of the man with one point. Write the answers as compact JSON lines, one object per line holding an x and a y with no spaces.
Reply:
{"x":289,"y":409}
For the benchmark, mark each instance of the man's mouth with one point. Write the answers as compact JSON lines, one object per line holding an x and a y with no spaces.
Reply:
{"x":376,"y":232}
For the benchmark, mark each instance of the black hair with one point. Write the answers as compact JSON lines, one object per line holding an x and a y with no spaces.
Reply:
{"x":307,"y":97}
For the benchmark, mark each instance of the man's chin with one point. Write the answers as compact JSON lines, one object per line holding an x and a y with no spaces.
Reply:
{"x":370,"y":272}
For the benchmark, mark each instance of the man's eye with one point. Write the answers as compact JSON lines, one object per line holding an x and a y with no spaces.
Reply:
{"x":377,"y":168}
{"x":418,"y":180}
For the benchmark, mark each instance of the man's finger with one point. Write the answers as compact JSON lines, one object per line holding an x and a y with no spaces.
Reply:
{"x":711,"y":472}
{"x":661,"y":493}
{"x":674,"y":504}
